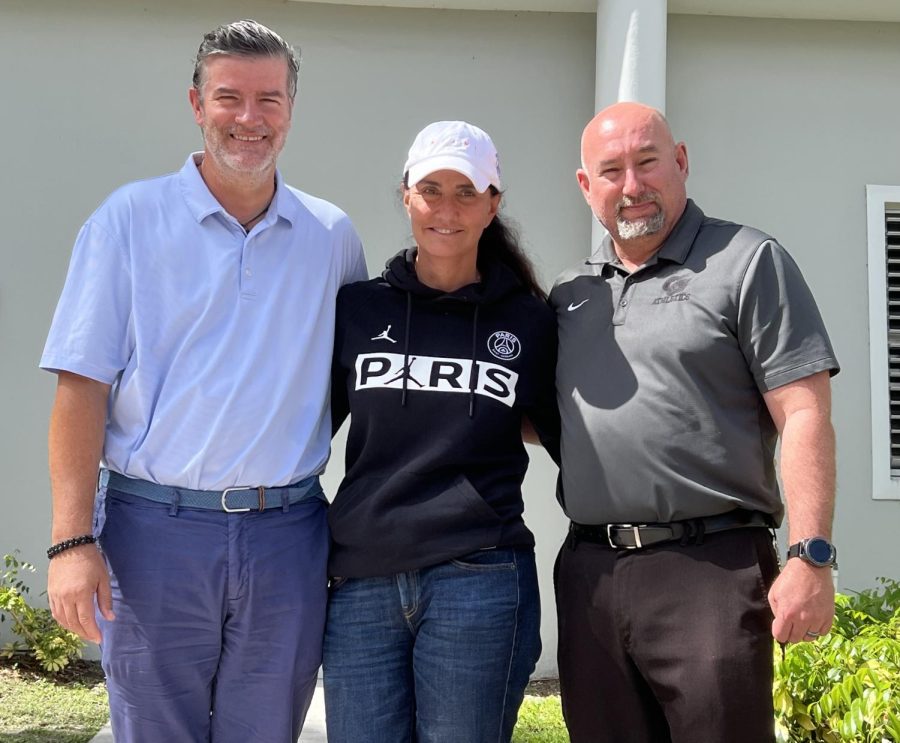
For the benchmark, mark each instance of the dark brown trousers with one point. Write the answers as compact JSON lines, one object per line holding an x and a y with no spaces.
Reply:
{"x":667,"y":644}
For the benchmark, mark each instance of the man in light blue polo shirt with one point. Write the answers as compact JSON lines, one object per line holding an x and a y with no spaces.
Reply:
{"x":192,"y":344}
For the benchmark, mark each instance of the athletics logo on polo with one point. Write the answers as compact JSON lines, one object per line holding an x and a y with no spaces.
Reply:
{"x":435,"y":374}
{"x":674,"y":287}
{"x":503,"y":345}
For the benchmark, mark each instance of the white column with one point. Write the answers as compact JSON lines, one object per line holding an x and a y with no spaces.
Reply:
{"x":631,"y":59}
{"x":631,"y":52}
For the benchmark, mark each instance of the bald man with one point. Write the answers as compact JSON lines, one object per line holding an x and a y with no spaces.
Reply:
{"x":688,"y":345}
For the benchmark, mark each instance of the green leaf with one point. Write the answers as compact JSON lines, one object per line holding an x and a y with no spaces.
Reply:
{"x":845,"y":688}
{"x":41,"y":637}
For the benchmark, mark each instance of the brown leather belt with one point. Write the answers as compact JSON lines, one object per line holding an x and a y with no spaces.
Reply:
{"x":637,"y":536}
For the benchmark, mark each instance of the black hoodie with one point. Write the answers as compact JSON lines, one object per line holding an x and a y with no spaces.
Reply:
{"x":435,"y":459}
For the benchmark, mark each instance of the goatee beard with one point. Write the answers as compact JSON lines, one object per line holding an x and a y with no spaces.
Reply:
{"x":643,"y":226}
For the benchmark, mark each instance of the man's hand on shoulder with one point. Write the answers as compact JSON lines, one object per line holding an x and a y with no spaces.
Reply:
{"x":74,"y":578}
{"x":802,"y":599}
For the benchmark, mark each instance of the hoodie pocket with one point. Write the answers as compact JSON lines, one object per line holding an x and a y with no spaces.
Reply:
{"x":406,"y":520}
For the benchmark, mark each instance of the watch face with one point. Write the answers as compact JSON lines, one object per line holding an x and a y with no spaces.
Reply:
{"x":819,"y":551}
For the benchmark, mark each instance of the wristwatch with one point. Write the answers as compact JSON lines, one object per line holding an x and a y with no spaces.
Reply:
{"x":817,"y":551}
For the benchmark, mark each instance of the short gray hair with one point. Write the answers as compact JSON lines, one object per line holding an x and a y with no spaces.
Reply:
{"x":246,"y":38}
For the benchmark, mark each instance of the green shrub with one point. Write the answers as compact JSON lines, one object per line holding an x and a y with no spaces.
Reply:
{"x":41,"y":637}
{"x":846,"y":685}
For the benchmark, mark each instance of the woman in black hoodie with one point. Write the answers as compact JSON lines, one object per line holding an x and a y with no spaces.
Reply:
{"x":434,"y":613}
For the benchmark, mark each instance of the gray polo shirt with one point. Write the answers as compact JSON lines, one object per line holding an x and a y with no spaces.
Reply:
{"x":661,"y":374}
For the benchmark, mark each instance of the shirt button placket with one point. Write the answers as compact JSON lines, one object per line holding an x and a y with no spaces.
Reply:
{"x":623,"y":302}
{"x":247,"y":283}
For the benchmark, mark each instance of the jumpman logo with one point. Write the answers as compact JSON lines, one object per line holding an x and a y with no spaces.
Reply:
{"x":405,"y":371}
{"x":384,"y":335}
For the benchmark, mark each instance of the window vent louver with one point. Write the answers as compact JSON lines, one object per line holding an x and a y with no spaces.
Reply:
{"x":892,"y":243}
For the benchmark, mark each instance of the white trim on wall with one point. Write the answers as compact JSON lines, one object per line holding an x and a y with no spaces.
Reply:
{"x":820,"y":10}
{"x":878,"y":199}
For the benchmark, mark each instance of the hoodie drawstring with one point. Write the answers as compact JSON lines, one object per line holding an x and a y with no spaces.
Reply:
{"x":472,"y":374}
{"x":406,"y":349}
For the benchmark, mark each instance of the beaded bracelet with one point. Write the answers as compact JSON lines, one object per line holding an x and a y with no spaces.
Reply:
{"x":68,"y":544}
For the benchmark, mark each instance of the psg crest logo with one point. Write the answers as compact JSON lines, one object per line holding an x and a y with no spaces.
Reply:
{"x":503,"y":345}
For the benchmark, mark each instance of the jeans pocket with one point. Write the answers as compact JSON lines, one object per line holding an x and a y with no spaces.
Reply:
{"x":487,"y":560}
{"x":335,"y":583}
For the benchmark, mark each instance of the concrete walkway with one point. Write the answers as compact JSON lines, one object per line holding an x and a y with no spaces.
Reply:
{"x":313,"y":729}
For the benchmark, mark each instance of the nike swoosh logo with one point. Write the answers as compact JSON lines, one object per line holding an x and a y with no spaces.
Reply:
{"x":573,"y":306}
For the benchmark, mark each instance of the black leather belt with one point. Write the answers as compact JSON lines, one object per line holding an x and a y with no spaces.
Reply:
{"x":636,"y":536}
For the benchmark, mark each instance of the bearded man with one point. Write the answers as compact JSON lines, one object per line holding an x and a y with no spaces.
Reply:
{"x":687,"y":346}
{"x":192,"y":344}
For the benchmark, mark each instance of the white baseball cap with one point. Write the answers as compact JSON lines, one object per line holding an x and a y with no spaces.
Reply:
{"x":454,"y":145}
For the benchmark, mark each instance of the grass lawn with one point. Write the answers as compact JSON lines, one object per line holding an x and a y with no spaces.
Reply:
{"x":72,"y":707}
{"x":540,"y":721}
{"x":35,"y":709}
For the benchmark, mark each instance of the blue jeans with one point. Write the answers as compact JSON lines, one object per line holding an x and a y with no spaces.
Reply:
{"x":219,"y":619}
{"x":437,"y":655}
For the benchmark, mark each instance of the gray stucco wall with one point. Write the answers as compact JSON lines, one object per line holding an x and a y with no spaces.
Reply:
{"x":96,"y":95}
{"x":785,"y":123}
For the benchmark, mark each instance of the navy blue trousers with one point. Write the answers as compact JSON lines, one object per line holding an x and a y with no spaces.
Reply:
{"x":219,"y":620}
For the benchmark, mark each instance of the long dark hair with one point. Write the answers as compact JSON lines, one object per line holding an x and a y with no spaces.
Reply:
{"x":500,"y":241}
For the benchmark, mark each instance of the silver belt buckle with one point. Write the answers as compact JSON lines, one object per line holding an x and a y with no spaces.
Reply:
{"x":262,"y":499}
{"x":635,"y":529}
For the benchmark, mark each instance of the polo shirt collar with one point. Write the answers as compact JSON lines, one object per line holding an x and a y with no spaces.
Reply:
{"x":202,"y":203}
{"x":680,"y":240}
{"x":675,"y":248}
{"x":287,"y":205}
